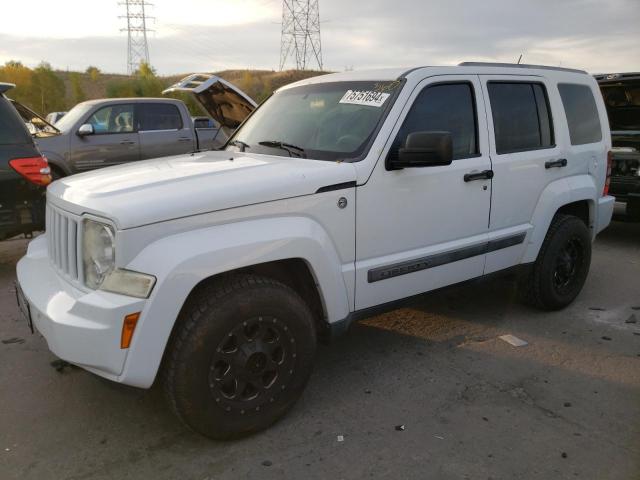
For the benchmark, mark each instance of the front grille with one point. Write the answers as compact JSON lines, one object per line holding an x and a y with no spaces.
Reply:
{"x":62,"y":239}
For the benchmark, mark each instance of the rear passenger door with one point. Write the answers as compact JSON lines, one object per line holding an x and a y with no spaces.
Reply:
{"x":525,"y":158}
{"x":162,"y":131}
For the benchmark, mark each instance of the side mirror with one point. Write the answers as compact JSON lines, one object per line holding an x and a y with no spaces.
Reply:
{"x":424,"y":149}
{"x":86,"y":129}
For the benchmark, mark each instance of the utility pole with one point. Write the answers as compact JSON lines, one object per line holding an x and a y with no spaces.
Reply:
{"x":137,"y":46}
{"x":300,"y":36}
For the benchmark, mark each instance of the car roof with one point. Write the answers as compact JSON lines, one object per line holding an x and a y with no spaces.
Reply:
{"x":487,"y":68}
{"x":103,"y":101}
{"x":5,"y":86}
{"x":617,"y":77}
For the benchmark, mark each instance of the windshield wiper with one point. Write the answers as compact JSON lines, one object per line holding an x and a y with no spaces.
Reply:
{"x":284,"y":146}
{"x":239,"y":143}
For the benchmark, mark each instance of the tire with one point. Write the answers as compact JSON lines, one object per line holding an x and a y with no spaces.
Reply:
{"x":240,"y":356}
{"x":633,"y":209}
{"x":558,"y":274}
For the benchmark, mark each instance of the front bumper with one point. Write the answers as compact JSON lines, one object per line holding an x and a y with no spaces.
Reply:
{"x":604,"y":213}
{"x":83,"y":328}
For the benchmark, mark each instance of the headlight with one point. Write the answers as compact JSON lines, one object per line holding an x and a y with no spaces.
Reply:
{"x":98,"y":252}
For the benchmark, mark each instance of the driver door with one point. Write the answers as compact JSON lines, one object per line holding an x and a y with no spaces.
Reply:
{"x":114,"y":141}
{"x":419,"y":229}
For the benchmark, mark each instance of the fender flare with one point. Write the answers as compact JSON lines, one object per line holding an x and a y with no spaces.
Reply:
{"x":183,"y":260}
{"x":555,"y":195}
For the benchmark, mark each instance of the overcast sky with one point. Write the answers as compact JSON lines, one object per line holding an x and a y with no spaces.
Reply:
{"x":211,"y":35}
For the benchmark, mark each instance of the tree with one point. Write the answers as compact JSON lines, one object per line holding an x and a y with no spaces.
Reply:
{"x":21,"y":76}
{"x":77,"y":93}
{"x":48,"y":89}
{"x":93,"y":72}
{"x":144,"y":83}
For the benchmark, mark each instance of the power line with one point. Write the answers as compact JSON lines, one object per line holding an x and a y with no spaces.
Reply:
{"x":137,"y":45}
{"x":300,"y":36}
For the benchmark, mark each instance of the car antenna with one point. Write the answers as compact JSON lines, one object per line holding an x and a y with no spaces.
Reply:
{"x":519,"y":58}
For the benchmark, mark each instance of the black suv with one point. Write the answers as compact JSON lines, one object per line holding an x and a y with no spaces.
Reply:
{"x":621,"y":93}
{"x":24,"y":174}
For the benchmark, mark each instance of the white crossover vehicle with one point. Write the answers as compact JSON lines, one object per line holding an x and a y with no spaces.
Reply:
{"x":217,"y":272}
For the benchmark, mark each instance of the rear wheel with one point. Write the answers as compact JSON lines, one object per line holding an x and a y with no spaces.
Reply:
{"x":240,"y":357}
{"x":559,"y":272}
{"x":633,"y":209}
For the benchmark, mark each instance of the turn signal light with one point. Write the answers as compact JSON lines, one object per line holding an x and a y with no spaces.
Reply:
{"x":128,"y":327}
{"x":34,"y":169}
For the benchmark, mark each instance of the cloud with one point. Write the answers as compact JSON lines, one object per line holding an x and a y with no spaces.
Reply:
{"x":597,"y":36}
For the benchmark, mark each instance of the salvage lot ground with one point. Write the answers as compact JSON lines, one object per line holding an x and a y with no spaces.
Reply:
{"x":565,"y":406}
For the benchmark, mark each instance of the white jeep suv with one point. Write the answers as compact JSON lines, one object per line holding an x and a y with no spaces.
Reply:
{"x":337,"y":197}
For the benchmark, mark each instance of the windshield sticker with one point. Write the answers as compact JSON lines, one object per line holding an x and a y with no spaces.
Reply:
{"x":387,"y":87}
{"x":364,"y":97}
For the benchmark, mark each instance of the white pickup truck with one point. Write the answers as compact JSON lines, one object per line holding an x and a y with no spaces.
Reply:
{"x":338,"y":197}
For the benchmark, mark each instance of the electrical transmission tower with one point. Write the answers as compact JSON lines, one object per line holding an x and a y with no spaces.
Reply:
{"x":301,"y":33}
{"x":137,"y":47}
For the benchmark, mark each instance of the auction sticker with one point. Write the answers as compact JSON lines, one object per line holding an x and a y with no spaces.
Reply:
{"x":364,"y":97}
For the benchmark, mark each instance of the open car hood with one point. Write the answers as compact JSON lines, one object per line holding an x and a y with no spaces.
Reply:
{"x":37,"y":126}
{"x":226,"y":103}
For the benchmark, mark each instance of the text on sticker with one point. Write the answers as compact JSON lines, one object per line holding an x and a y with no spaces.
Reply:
{"x":364,"y":97}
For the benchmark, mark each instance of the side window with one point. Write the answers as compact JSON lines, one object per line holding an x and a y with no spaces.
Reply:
{"x":521,"y":117}
{"x":445,"y":108}
{"x":582,"y":113}
{"x":113,"y":119}
{"x":159,"y":116}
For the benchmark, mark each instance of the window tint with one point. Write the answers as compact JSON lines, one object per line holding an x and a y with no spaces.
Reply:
{"x":521,"y":118}
{"x":113,"y":119}
{"x":12,"y":128}
{"x":444,"y":108}
{"x":582,"y":113}
{"x":159,"y":116}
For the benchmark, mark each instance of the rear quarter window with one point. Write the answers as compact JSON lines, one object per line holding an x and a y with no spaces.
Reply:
{"x":582,"y":114}
{"x":12,"y":128}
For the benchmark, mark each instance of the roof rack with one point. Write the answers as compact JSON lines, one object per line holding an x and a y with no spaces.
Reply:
{"x":5,"y":86}
{"x":519,"y":65}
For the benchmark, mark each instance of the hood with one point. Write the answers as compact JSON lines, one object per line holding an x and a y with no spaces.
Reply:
{"x":156,"y":190}
{"x":226,"y":103}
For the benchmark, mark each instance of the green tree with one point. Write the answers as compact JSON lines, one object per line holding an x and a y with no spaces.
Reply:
{"x":21,"y":76}
{"x":93,"y":72}
{"x":48,"y":89}
{"x":77,"y":93}
{"x":144,"y":83}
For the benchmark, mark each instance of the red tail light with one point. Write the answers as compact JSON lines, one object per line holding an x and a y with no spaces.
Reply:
{"x":607,"y":181}
{"x":34,"y":169}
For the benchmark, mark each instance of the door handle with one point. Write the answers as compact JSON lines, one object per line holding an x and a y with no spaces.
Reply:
{"x":483,"y":175}
{"x":184,"y":139}
{"x":127,"y":142}
{"x":555,"y":163}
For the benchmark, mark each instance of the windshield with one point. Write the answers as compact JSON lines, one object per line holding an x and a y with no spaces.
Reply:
{"x":623,"y":105}
{"x":324,"y":121}
{"x":72,"y":116}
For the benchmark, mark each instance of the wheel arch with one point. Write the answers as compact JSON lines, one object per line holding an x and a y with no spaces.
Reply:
{"x":572,"y":196}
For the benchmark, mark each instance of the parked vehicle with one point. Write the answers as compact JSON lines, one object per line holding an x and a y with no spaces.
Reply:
{"x":37,"y":126}
{"x":101,"y":133}
{"x":53,"y":117}
{"x":339,"y":197}
{"x":24,"y":173}
{"x":621,"y":92}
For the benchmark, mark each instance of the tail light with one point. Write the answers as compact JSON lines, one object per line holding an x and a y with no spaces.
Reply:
{"x":34,"y":169}
{"x":607,"y":180}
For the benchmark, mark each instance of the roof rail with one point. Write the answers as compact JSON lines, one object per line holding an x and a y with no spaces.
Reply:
{"x":5,"y":86}
{"x":519,"y":65}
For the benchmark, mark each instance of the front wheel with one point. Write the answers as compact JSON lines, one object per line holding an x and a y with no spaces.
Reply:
{"x":559,"y":272}
{"x":240,"y":356}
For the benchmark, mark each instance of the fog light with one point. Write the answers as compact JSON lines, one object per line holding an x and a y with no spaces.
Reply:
{"x":128,"y":327}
